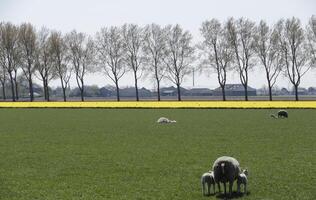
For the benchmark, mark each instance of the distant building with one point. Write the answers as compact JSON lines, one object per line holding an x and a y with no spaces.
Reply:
{"x":235,"y":90}
{"x":284,"y":91}
{"x":172,"y":91}
{"x":300,"y":91}
{"x":311,"y":90}
{"x":104,"y":92}
{"x":199,"y":92}
{"x":131,"y":92}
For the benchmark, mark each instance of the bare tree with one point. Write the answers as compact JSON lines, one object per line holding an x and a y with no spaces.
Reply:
{"x":111,"y":53}
{"x":10,"y":52}
{"x":44,"y":65}
{"x":3,"y":75}
{"x":60,"y":59}
{"x":180,"y":55}
{"x":27,"y":39}
{"x":3,"y":72}
{"x":155,"y":48}
{"x":311,"y":37}
{"x":133,"y":41}
{"x":217,"y":54}
{"x":292,"y":41}
{"x":241,"y":38}
{"x":81,"y":49}
{"x":268,"y":52}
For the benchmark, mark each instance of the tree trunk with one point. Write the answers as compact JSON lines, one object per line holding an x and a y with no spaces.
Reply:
{"x":270,"y":91}
{"x":179,"y":92}
{"x":44,"y":88}
{"x":246,"y":92}
{"x":158,"y":90}
{"x":47,"y":90}
{"x":136,"y":86}
{"x":296,"y":92}
{"x":12,"y":86}
{"x":16,"y":89}
{"x":64,"y":90}
{"x":117,"y":91}
{"x":31,"y":89}
{"x":82,"y":90}
{"x":3,"y":91}
{"x":223,"y":92}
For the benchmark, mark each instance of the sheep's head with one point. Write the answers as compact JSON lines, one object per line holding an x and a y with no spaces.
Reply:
{"x":245,"y":171}
{"x":223,"y":168}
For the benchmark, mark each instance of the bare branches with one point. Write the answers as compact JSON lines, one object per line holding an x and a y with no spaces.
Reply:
{"x":27,"y":40}
{"x":293,"y":43}
{"x":111,"y":53}
{"x":217,"y":53}
{"x":81,"y":53}
{"x":241,"y":38}
{"x":268,"y":52}
{"x":179,"y":56}
{"x":133,"y":36}
{"x":60,"y":59}
{"x":155,"y":50}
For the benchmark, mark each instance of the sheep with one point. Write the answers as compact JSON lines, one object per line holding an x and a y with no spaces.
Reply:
{"x":164,"y":120}
{"x":283,"y":114}
{"x":208,"y":179}
{"x":242,"y":179}
{"x":226,"y":169}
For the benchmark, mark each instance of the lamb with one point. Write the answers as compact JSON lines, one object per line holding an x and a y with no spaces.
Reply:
{"x":283,"y":114}
{"x":242,"y":179}
{"x":226,"y":169}
{"x":208,"y":179}
{"x":164,"y":120}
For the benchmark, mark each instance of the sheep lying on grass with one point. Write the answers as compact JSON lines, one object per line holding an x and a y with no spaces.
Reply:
{"x":208,"y":180}
{"x":164,"y":120}
{"x":283,"y":114}
{"x":242,"y":180}
{"x":226,"y":169}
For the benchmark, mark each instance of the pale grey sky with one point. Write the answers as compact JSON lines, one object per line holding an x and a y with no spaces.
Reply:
{"x":89,"y":16}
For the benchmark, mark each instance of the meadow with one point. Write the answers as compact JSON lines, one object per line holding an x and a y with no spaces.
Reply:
{"x":124,"y":154}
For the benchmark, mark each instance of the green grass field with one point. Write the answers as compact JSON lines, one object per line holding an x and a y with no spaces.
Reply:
{"x":124,"y":154}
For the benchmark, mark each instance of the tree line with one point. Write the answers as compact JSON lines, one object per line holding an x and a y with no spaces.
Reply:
{"x":286,"y":47}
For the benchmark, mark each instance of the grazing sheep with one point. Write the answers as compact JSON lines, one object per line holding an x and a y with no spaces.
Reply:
{"x":283,"y":114}
{"x":242,"y":179}
{"x":226,"y":169}
{"x":208,"y":179}
{"x":164,"y":120}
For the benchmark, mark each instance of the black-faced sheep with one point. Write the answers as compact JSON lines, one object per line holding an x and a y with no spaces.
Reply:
{"x":164,"y":120}
{"x":283,"y":114}
{"x":242,"y":180}
{"x":226,"y":169}
{"x":207,"y":179}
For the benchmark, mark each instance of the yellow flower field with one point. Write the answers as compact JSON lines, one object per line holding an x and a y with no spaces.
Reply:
{"x":163,"y":104}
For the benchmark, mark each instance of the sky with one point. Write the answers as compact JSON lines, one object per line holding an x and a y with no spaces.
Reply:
{"x":90,"y":16}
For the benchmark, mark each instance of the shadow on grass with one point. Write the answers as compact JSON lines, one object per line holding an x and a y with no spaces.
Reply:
{"x":235,"y":195}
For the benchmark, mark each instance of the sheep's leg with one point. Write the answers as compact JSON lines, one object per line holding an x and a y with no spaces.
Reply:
{"x":203,"y":189}
{"x":208,"y":189}
{"x":224,"y":188}
{"x":238,"y":187}
{"x":219,"y":187}
{"x":245,"y":189}
{"x":230,"y":187}
{"x":214,"y":188}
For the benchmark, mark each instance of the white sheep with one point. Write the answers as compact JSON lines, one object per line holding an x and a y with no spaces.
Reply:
{"x":208,"y":180}
{"x":164,"y":120}
{"x":226,"y":169}
{"x":242,"y":179}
